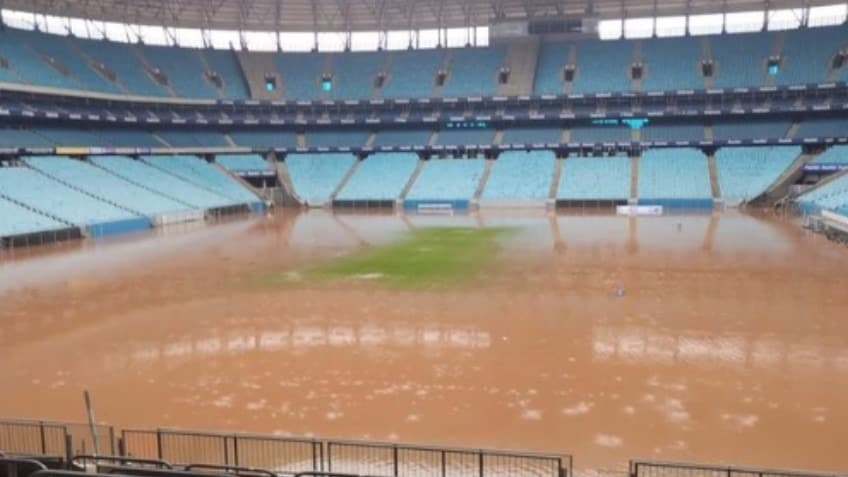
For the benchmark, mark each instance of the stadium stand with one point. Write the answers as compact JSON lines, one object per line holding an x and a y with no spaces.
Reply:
{"x":822,"y":128}
{"x":316,"y":176}
{"x":448,"y":180}
{"x":336,"y":138}
{"x":19,"y":220}
{"x":532,"y":135}
{"x":380,"y":177}
{"x":128,"y":138}
{"x":193,"y":138}
{"x":741,"y":58}
{"x":672,"y":64}
{"x":225,"y":64}
{"x":301,"y":73}
{"x":674,"y":178}
{"x":264,"y":138}
{"x":466,"y":137}
{"x":603,"y":66}
{"x":834,"y":155}
{"x":600,"y":134}
{"x":19,"y":137}
{"x":161,"y":182}
{"x":123,"y":61}
{"x":744,"y":173}
{"x":202,"y":174}
{"x":107,"y":187}
{"x":354,"y":74}
{"x":519,"y":175}
{"x":832,"y":196}
{"x":553,"y":56}
{"x":473,"y":71}
{"x":402,"y":137}
{"x":28,"y":66}
{"x":70,"y":136}
{"x":413,"y":73}
{"x":36,"y":190}
{"x":672,"y":132}
{"x":801,"y":64}
{"x":748,"y":129}
{"x":242,"y":162}
{"x":183,"y":68}
{"x":595,"y":179}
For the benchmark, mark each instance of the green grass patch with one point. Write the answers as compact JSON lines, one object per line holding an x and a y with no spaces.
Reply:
{"x":439,"y":256}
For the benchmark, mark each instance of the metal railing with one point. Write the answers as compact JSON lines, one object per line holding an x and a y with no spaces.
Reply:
{"x":647,"y":468}
{"x":33,"y":437}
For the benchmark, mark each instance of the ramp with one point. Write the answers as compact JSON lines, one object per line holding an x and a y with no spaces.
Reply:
{"x":780,"y":188}
{"x":521,"y":58}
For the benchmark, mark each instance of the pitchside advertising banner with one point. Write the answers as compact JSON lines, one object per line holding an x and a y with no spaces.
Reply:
{"x":825,"y":167}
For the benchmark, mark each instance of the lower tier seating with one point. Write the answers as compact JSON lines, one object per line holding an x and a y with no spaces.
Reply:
{"x":520,"y":175}
{"x":19,"y":220}
{"x":316,"y":176}
{"x":595,"y":178}
{"x":202,"y":174}
{"x":744,"y":173}
{"x":676,"y":176}
{"x":448,"y":179}
{"x":380,"y":176}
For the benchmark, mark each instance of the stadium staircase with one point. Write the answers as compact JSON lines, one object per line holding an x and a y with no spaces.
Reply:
{"x":149,"y":68}
{"x":521,"y":59}
{"x":83,"y":191}
{"x":256,"y":66}
{"x":793,"y":129}
{"x":498,"y":139}
{"x":247,"y":185}
{"x":714,"y":186}
{"x":284,"y":178}
{"x":781,"y":186}
{"x":345,"y":179}
{"x":202,"y":59}
{"x":484,"y":179}
{"x":142,"y":185}
{"x":634,"y":179}
{"x":555,"y":178}
{"x":411,"y":181}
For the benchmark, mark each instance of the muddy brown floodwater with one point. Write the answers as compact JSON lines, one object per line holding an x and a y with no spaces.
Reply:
{"x":729,"y":344}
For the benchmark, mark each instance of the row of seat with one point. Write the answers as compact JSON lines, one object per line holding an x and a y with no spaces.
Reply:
{"x":50,"y":193}
{"x":266,"y":138}
{"x":739,"y":60}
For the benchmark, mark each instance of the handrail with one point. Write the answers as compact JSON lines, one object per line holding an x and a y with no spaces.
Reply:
{"x":231,"y":469}
{"x":22,"y":460}
{"x":121,"y":460}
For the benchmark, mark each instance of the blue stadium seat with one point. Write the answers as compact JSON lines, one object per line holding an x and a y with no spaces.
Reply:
{"x":532,"y":135}
{"x":447,"y":179}
{"x":744,"y":173}
{"x":832,"y":196}
{"x":674,"y":177}
{"x":403,"y":137}
{"x":316,"y":176}
{"x":603,"y":66}
{"x":354,"y":74}
{"x":600,"y":134}
{"x":18,"y":220}
{"x":672,"y":64}
{"x":520,"y":175}
{"x":123,"y":60}
{"x":833,"y":155}
{"x":802,"y":64}
{"x":822,"y":128}
{"x":301,"y":73}
{"x":466,"y":137}
{"x":760,"y":129}
{"x":380,"y":176}
{"x":264,"y":138}
{"x":741,"y":58}
{"x":413,"y":73}
{"x":242,"y":162}
{"x":595,"y":178}
{"x":225,"y":63}
{"x":193,"y":138}
{"x":336,"y":138}
{"x":198,"y":172}
{"x":553,"y":56}
{"x":672,"y":132}
{"x":473,"y":71}
{"x":184,"y":69}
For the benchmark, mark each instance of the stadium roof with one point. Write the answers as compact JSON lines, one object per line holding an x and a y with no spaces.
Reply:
{"x":359,"y":15}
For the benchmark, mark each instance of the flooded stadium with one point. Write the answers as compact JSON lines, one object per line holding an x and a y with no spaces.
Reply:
{"x":714,"y":337}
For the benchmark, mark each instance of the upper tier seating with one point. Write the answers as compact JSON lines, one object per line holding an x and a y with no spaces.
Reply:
{"x":107,"y":186}
{"x":243,"y":162}
{"x":354,"y":74}
{"x":447,"y":179}
{"x":520,"y":175}
{"x":193,"y":138}
{"x":549,"y":68}
{"x":161,"y":182}
{"x":466,"y":137}
{"x":598,"y":134}
{"x":260,"y":138}
{"x":741,"y":58}
{"x":473,"y":71}
{"x":403,"y":137}
{"x":746,"y":129}
{"x":823,"y":128}
{"x":672,"y":132}
{"x":60,"y":49}
{"x":202,"y":174}
{"x":38,"y":191}
{"x":128,"y":138}
{"x":226,"y":65}
{"x":413,"y":73}
{"x":674,"y":174}
{"x":595,"y":178}
{"x":802,"y":64}
{"x":834,"y":155}
{"x":603,"y":66}
{"x":70,"y":136}
{"x":832,"y":196}
{"x":671,"y":64}
{"x":531,"y":135}
{"x":183,"y":68}
{"x":18,"y":220}
{"x":301,"y":74}
{"x":123,"y":60}
{"x":336,"y":138}
{"x":26,"y":65}
{"x":316,"y":176}
{"x":380,"y":176}
{"x":744,"y":173}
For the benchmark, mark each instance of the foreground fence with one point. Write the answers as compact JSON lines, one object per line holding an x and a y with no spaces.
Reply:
{"x":678,"y":469}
